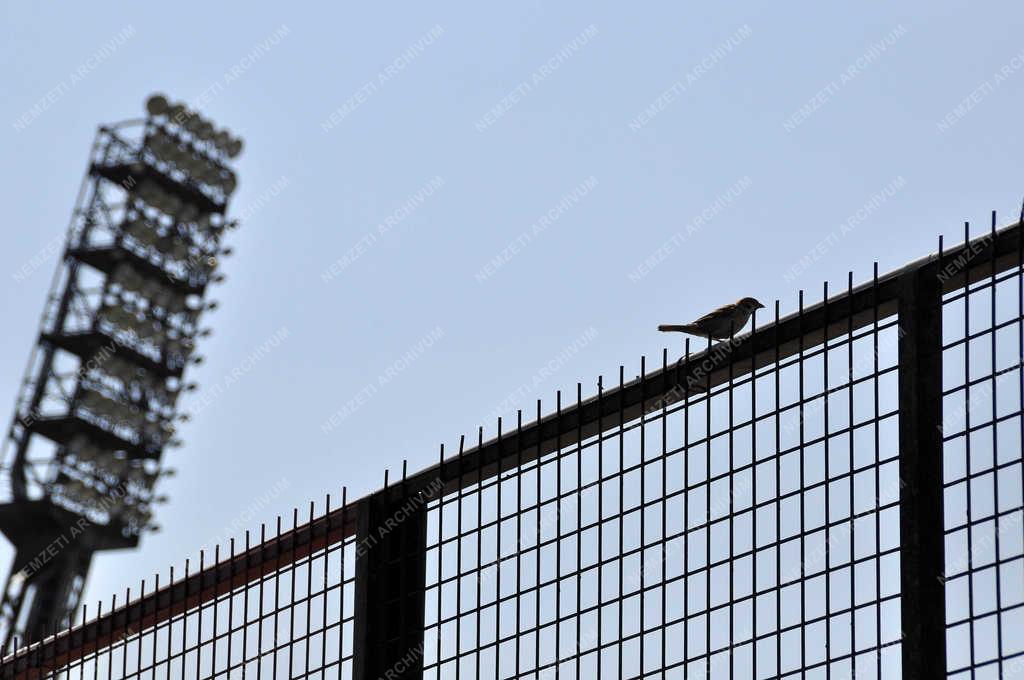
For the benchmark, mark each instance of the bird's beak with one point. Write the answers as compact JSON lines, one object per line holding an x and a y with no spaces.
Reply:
{"x":760,"y":306}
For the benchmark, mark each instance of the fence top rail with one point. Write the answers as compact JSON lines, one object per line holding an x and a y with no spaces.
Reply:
{"x":973,"y":260}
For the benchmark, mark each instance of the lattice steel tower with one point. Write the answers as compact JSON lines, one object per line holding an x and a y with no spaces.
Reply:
{"x":97,"y":405}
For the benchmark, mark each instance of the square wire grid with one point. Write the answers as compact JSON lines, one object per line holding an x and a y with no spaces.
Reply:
{"x":983,"y":343}
{"x":757,"y":537}
{"x":295,"y":622}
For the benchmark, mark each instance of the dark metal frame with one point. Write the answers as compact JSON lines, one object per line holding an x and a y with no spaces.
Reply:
{"x":922,"y":543}
{"x":391,"y":541}
{"x":399,"y":570}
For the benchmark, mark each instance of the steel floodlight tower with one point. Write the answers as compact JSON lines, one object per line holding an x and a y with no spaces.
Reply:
{"x":97,"y":405}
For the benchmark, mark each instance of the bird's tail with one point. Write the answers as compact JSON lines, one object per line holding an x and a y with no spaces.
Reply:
{"x":679,"y":328}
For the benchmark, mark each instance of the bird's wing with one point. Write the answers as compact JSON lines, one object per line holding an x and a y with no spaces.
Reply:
{"x":724,"y":310}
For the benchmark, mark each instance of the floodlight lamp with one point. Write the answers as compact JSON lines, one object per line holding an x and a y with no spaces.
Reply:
{"x":234,"y":147}
{"x":157,"y":104}
{"x":222,"y":139}
{"x":193,"y":165}
{"x":180,"y":157}
{"x":194,"y":122}
{"x":205,"y":131}
{"x":200,"y":173}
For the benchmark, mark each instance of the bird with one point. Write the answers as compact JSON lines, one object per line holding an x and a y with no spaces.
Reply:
{"x":719,"y":324}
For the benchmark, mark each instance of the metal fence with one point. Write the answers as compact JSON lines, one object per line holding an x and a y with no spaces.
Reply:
{"x":835,"y":494}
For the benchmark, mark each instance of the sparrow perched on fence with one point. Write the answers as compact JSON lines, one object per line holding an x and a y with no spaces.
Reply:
{"x":721,"y":323}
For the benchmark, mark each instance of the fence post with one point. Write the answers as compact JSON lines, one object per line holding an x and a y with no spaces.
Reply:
{"x":391,"y":540}
{"x":922,"y":539}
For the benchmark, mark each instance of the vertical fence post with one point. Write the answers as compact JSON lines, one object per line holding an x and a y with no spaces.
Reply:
{"x":391,"y":540}
{"x":922,"y":542}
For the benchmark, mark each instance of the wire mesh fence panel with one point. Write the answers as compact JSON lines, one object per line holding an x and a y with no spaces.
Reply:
{"x":983,"y":346}
{"x":835,"y":494}
{"x":295,"y":620}
{"x":749,"y":531}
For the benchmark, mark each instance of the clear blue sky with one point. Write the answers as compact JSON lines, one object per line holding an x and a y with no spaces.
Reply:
{"x":491,"y":121}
